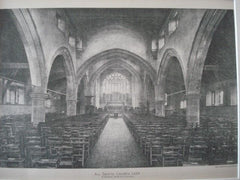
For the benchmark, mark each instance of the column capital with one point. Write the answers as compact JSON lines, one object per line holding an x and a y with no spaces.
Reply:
{"x":193,"y":94}
{"x":39,"y":96}
{"x":38,"y":93}
{"x":159,"y":101}
{"x":71,"y":100}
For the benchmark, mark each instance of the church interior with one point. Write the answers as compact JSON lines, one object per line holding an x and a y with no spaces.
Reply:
{"x":117,"y":88}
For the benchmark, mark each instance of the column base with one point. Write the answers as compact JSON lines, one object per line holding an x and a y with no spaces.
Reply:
{"x":38,"y":106}
{"x":71,"y":107}
{"x":160,"y":108}
{"x":192,"y":121}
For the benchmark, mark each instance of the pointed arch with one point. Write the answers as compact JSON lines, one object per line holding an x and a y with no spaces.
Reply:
{"x":113,"y":55}
{"x":200,"y":47}
{"x":168,"y":54}
{"x":32,"y":45}
{"x":69,"y":69}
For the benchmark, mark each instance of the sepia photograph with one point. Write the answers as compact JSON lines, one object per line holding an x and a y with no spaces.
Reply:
{"x":100,"y":88}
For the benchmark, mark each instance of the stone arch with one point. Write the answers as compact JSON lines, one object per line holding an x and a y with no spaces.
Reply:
{"x":31,"y":41}
{"x":71,"y":92}
{"x":32,"y":45}
{"x":105,"y":66}
{"x":116,"y":54}
{"x":161,"y":79}
{"x":168,"y":54}
{"x":125,"y":65}
{"x":200,"y":48}
{"x":196,"y":61}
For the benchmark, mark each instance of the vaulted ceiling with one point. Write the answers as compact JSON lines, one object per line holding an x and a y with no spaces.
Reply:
{"x":88,"y":21}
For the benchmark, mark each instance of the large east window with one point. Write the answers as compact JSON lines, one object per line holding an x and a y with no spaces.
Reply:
{"x":115,"y":87}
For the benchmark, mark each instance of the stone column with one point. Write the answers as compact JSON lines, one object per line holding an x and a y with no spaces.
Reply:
{"x":71,"y":99}
{"x":28,"y":88}
{"x":160,"y":108}
{"x":97,"y":92}
{"x":82,"y":106}
{"x":1,"y":90}
{"x":193,"y":109}
{"x":144,"y":90}
{"x":88,"y":100}
{"x":133,"y":92}
{"x":88,"y":94}
{"x":71,"y":107}
{"x":159,"y":101}
{"x":38,"y":105}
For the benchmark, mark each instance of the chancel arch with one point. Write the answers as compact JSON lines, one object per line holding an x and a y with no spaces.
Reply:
{"x":95,"y":81}
{"x":114,"y":54}
{"x":118,"y":64}
{"x":126,"y":58}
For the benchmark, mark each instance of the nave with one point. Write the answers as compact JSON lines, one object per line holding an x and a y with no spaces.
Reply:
{"x":97,"y":141}
{"x":116,"y":148}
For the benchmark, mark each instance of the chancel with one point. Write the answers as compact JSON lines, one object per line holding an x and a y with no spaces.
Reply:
{"x":117,"y":88}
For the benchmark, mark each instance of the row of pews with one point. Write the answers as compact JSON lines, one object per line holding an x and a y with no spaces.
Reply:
{"x":61,"y":142}
{"x":168,"y":142}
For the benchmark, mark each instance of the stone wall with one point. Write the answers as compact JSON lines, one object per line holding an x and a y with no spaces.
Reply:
{"x":51,"y":37}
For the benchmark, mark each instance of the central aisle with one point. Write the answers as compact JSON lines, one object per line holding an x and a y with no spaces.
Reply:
{"x":116,"y":148}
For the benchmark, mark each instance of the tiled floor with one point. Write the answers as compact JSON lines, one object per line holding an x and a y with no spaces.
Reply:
{"x":116,"y":148}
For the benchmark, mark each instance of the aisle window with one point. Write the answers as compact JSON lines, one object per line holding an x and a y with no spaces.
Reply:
{"x":208,"y":98}
{"x":14,"y":96}
{"x":233,"y":96}
{"x":219,"y":97}
{"x":183,"y":104}
{"x":214,"y":98}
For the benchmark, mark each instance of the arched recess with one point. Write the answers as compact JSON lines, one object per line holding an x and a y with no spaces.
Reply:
{"x":172,"y":71}
{"x":36,"y":60}
{"x":71,"y":93}
{"x":196,"y":60}
{"x":116,"y":54}
{"x":126,"y":66}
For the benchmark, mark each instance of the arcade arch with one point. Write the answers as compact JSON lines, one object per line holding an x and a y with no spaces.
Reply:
{"x":200,"y":47}
{"x":170,"y":90}
{"x":62,"y":79}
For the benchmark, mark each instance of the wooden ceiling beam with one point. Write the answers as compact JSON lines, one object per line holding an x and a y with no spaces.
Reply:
{"x":14,"y":66}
